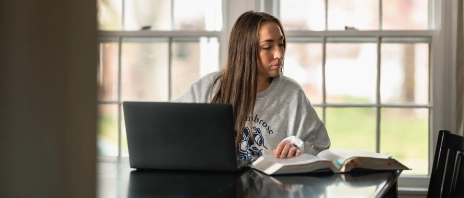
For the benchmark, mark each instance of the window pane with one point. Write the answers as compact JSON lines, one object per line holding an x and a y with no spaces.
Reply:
{"x":404,"y":73}
{"x":173,"y":15}
{"x":109,"y":14}
{"x":359,"y":14}
{"x":351,"y":128}
{"x":404,"y":135}
{"x":192,"y":59}
{"x":145,"y":69}
{"x":303,"y":14}
{"x":405,"y":15}
{"x":108,"y":71}
{"x":198,"y":15}
{"x":107,"y":140}
{"x":303,"y":62}
{"x":351,"y":72}
{"x":153,"y":14}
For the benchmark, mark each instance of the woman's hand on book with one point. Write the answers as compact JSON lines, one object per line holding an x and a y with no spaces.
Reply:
{"x":286,"y":150}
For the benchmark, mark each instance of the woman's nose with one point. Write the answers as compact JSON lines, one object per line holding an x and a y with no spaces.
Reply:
{"x":278,"y":53}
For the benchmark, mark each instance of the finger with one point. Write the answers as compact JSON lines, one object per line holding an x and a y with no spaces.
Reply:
{"x":279,"y":149}
{"x":298,"y":152}
{"x":284,"y":152}
{"x":292,"y":152}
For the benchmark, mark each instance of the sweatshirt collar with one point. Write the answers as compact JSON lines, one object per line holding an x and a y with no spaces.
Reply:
{"x":269,"y":89}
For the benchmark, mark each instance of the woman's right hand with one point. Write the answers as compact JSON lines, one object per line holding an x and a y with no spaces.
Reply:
{"x":286,"y":150}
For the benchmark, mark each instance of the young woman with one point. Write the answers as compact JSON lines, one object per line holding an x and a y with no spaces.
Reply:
{"x":271,"y":111}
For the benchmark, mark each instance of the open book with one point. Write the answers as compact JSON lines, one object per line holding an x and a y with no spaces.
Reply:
{"x":337,"y":161}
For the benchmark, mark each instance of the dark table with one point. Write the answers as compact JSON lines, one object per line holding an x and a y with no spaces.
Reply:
{"x":115,"y":178}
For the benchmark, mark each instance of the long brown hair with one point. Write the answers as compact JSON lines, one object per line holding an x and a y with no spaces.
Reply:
{"x":238,"y":80}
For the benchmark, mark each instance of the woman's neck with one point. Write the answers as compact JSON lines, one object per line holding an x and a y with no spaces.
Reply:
{"x":263,"y":83}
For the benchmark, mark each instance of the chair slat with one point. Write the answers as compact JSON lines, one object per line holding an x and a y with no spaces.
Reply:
{"x":435,"y":179}
{"x":449,"y":173}
{"x":458,"y":188}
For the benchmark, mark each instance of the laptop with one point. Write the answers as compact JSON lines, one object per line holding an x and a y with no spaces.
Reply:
{"x":181,"y":136}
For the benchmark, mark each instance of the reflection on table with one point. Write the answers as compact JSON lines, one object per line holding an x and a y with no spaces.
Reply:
{"x":117,"y":179}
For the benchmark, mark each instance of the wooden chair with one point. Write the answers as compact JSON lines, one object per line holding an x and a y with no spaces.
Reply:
{"x":447,"y":179}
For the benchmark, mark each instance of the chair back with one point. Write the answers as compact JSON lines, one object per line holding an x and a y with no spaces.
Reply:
{"x":447,"y":178}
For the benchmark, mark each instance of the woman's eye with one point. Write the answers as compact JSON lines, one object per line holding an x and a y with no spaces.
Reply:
{"x":266,"y":48}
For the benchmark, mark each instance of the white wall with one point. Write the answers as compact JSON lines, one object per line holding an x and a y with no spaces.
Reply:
{"x":48,"y":64}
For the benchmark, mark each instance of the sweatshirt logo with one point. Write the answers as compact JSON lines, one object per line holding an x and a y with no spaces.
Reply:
{"x":260,"y":122}
{"x":248,"y":149}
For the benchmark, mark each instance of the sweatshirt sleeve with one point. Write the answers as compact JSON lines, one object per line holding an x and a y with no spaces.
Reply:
{"x":309,"y":127}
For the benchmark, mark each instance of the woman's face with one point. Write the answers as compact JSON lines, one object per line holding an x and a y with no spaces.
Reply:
{"x":271,"y":50}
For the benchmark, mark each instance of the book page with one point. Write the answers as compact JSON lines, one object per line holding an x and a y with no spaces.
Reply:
{"x":340,"y":156}
{"x":304,"y":158}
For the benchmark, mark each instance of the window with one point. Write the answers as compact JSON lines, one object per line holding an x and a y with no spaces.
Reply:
{"x":151,"y":51}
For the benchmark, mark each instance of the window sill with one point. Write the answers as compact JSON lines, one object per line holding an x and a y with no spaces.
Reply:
{"x":412,"y":192}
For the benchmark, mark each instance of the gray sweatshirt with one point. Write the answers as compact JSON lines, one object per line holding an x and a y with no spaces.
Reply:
{"x":282,"y":111}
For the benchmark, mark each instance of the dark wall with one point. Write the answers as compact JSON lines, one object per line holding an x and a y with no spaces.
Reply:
{"x":48,"y":66}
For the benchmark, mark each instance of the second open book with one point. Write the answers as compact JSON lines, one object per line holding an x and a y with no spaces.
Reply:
{"x":337,"y":161}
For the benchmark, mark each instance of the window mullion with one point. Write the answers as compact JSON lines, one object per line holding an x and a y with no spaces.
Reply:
{"x":431,"y":15}
{"x":336,"y":33}
{"x":377,"y":98}
{"x":172,"y":15}
{"x":119,"y":96}
{"x":108,"y":102}
{"x":123,"y":13}
{"x":326,"y":4}
{"x":275,"y":8}
{"x":380,"y":14}
{"x":324,"y":92}
{"x":372,"y":105}
{"x":170,"y":69}
{"x":146,"y":33}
